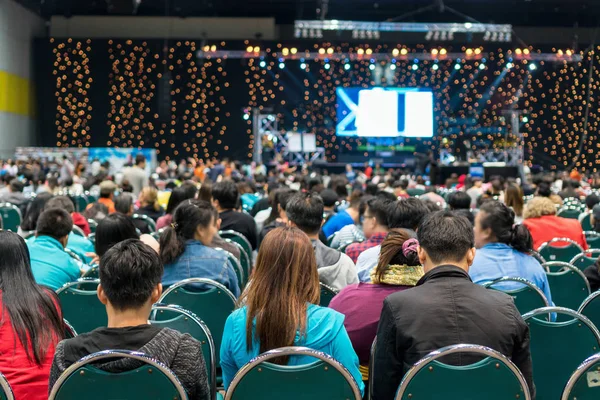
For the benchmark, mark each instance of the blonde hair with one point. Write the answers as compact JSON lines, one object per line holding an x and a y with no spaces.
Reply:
{"x":538,"y":207}
{"x":149,"y":195}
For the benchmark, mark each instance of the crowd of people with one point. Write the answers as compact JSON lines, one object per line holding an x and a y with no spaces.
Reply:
{"x":407,"y":268}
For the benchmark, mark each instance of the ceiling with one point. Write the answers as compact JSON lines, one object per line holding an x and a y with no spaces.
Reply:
{"x":583,"y":13}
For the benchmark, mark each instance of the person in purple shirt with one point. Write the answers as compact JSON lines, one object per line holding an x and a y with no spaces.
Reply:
{"x":398,"y":269}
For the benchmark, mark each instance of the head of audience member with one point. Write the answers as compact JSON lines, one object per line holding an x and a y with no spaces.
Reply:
{"x":140,"y":161}
{"x":305,"y":211}
{"x":495,"y":223}
{"x":96,"y":211}
{"x":407,"y":214}
{"x":149,"y":198}
{"x":446,"y":239}
{"x":62,"y":202}
{"x":284,"y":280}
{"x":55,"y":223}
{"x":124,"y":204}
{"x":130,"y":282}
{"x":375,"y":217}
{"x":205,"y":191}
{"x":225,"y":196}
{"x":539,"y":207}
{"x":431,"y":206}
{"x":591,"y":201}
{"x":107,"y":190}
{"x":34,"y":209}
{"x":371,"y":188}
{"x":192,"y":220}
{"x":467,"y":214}
{"x":178,"y":195}
{"x":16,"y":186}
{"x":31,"y":310}
{"x":459,"y":201}
{"x":513,"y":198}
{"x":543,"y":189}
{"x":329,"y":199}
{"x":112,"y":230}
{"x":278,"y":206}
{"x":398,"y":248}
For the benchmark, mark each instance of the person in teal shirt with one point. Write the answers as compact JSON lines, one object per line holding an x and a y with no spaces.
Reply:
{"x":51,"y":265}
{"x":281,"y":302}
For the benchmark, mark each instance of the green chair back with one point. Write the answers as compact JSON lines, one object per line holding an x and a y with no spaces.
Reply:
{"x":327,"y":293}
{"x":245,"y":260}
{"x":152,"y":380}
{"x":527,"y":298}
{"x":11,"y":217}
{"x":569,"y":212}
{"x":415,"y":192}
{"x":494,"y":377}
{"x":92,"y":272}
{"x":184,"y":321}
{"x":568,"y":285}
{"x":568,"y":249}
{"x":212,"y":305}
{"x":147,"y":220}
{"x":80,"y":305}
{"x":557,"y":348}
{"x":81,"y":202}
{"x":239,"y":239}
{"x":585,"y":259}
{"x":586,"y":222}
{"x":591,"y":308}
{"x":235,"y":263}
{"x":324,"y":379}
{"x":70,"y":332}
{"x":330,"y":240}
{"x":584,"y":384}
{"x":78,"y":231}
{"x":593,"y":239}
{"x":6,"y":392}
{"x":93,"y":225}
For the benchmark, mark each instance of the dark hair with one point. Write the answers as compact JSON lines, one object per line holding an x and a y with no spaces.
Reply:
{"x":329,"y":197}
{"x":371,"y":188}
{"x":392,"y":253}
{"x":279,"y":197}
{"x":500,"y":219}
{"x":94,"y":209}
{"x":379,"y":208}
{"x":205,"y":192}
{"x":467,"y":214}
{"x":177,"y":196}
{"x":139,"y":158}
{"x":187,"y":217}
{"x":54,"y":222}
{"x":513,"y":198}
{"x":445,"y":236}
{"x":305,"y":211}
{"x":226,"y":193}
{"x":459,"y":201}
{"x":34,"y":209}
{"x":123,"y":203}
{"x":431,"y":206}
{"x":592,"y":200}
{"x":16,"y":185}
{"x":114,"y":229}
{"x":129,"y":271}
{"x":62,"y":202}
{"x":32,"y":310}
{"x":543,"y":189}
{"x":355,"y":198}
{"x":407,"y":214}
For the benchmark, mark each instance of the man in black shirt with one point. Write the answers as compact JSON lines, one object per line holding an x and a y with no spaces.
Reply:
{"x":225,"y":199}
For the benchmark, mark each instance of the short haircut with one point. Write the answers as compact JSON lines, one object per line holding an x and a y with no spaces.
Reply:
{"x":129,"y":271}
{"x":306,"y":212}
{"x":114,"y":229}
{"x":123,"y":203}
{"x":329,"y":197}
{"x":379,"y":208}
{"x":139,"y":159}
{"x":226,"y":193}
{"x":54,"y":222}
{"x":62,"y":202}
{"x":592,"y":200}
{"x":16,"y":185}
{"x":459,"y":201}
{"x":446,"y":237}
{"x":407,"y":214}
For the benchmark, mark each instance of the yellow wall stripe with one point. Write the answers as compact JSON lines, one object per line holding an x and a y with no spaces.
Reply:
{"x":16,"y":95}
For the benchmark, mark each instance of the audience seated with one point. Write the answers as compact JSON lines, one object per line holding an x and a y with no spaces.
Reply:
{"x":14,"y":195}
{"x":278,"y":215}
{"x":592,"y":273}
{"x":354,"y":232}
{"x":398,"y":269}
{"x":502,"y":250}
{"x":136,"y":176}
{"x":349,"y":216}
{"x":226,"y":198}
{"x":107,"y":195}
{"x":31,"y":322}
{"x":179,"y":194}
{"x":34,"y":209}
{"x":446,"y":308}
{"x":335,"y":269}
{"x":149,"y":204}
{"x":513,"y":198}
{"x":124,"y":206}
{"x":544,"y":225}
{"x":590,"y":203}
{"x":130,"y":275}
{"x":185,"y":247}
{"x":374,"y":224}
{"x":117,"y":228}
{"x":330,"y":198}
{"x":279,"y":308}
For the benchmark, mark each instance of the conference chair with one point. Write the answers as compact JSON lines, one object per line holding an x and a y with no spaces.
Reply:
{"x":92,"y":273}
{"x":325,"y":378}
{"x":584,"y":384}
{"x":239,"y":239}
{"x":557,"y":348}
{"x":414,"y":192}
{"x":6,"y":392}
{"x":327,"y":293}
{"x":80,"y":201}
{"x":184,"y":321}
{"x":585,"y":259}
{"x":495,"y":377}
{"x":147,"y":220}
{"x":70,"y":332}
{"x":591,"y":308}
{"x":78,"y":231}
{"x":568,"y":285}
{"x":564,"y":253}
{"x":156,"y":235}
{"x":80,"y":305}
{"x":11,"y":217}
{"x":93,"y":225}
{"x":237,"y":267}
{"x":527,"y":298}
{"x":586,"y":222}
{"x":152,"y":380}
{"x":92,"y":238}
{"x":245,"y":259}
{"x":569,"y":212}
{"x":592,"y":238}
{"x":537,"y":256}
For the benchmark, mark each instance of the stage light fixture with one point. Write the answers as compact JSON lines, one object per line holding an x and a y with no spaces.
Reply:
{"x":321,"y":51}
{"x":434,"y":52}
{"x":369,"y":51}
{"x":404,"y":52}
{"x":281,"y":65}
{"x":457,"y":66}
{"x":469,"y":52}
{"x":256,"y":49}
{"x":360,"y":52}
{"x":443,"y":52}
{"x":346,"y":66}
{"x":482,"y":66}
{"x":395,"y":52}
{"x":371,"y":67}
{"x":327,"y":66}
{"x":518,"y":51}
{"x":525,"y":119}
{"x":532,"y":67}
{"x":303,"y":65}
{"x":293,"y":50}
{"x":415,"y":67}
{"x":526,"y":51}
{"x":393,"y":67}
{"x":435,"y":67}
{"x":246,"y":116}
{"x":249,"y":49}
{"x":285,"y":51}
{"x":569,"y":52}
{"x":509,"y":65}
{"x":262,"y":63}
{"x":330,"y":50}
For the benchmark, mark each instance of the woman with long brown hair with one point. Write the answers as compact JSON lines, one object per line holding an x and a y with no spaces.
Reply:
{"x":279,"y":308}
{"x":513,"y":198}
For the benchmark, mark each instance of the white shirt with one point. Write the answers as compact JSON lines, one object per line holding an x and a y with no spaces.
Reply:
{"x":366,"y":262}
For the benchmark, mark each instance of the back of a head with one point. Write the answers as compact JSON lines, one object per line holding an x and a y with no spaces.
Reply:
{"x":446,"y":237}
{"x":54,"y":222}
{"x":114,"y":229}
{"x":591,"y":201}
{"x":501,"y":220}
{"x":543,"y":189}
{"x":379,"y":207}
{"x":129,"y":272}
{"x":513,"y":197}
{"x":178,"y":195}
{"x":16,"y":186}
{"x":226,"y":193}
{"x":407,"y":214}
{"x":467,"y":214}
{"x":123,"y":203}
{"x":62,"y":202}
{"x":140,"y":159}
{"x":395,"y":252}
{"x":205,"y":192}
{"x":305,"y":210}
{"x":459,"y":201}
{"x":149,"y":195}
{"x":329,"y":197}
{"x":355,"y":198}
{"x":539,"y":207}
{"x":34,"y":209}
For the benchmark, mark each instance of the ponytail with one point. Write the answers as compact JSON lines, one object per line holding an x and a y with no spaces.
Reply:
{"x":171,"y":245}
{"x":399,"y":247}
{"x":521,"y":239}
{"x":500,"y":219}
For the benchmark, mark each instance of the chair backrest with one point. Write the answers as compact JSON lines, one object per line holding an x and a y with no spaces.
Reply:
{"x":6,"y":392}
{"x":324,"y":379}
{"x":568,"y":285}
{"x":565,"y":253}
{"x":593,"y":239}
{"x":494,"y":377}
{"x":413,"y":192}
{"x":81,"y":202}
{"x":527,"y":298}
{"x":93,"y":272}
{"x":557,"y":348}
{"x":537,"y":256}
{"x":147,"y":220}
{"x":585,"y":259}
{"x":212,"y":304}
{"x":93,"y":225}
{"x":245,"y":260}
{"x":584,"y":384}
{"x":569,"y":212}
{"x":80,"y":305}
{"x":152,"y":380}
{"x":586,"y":222}
{"x":238,"y":238}
{"x":78,"y":231}
{"x":327,"y":293}
{"x":11,"y":217}
{"x":185,"y":321}
{"x":235,"y":263}
{"x":591,"y":308}
{"x":70,"y":332}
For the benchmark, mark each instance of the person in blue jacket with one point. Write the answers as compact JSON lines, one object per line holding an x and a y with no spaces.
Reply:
{"x":280,"y":309}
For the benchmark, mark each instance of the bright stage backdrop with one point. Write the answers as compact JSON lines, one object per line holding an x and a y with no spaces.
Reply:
{"x":124,"y":93}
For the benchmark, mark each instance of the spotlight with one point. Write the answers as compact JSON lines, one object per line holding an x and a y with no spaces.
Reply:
{"x":371,"y":67}
{"x":443,"y":51}
{"x":321,"y":51}
{"x":468,"y":25}
{"x":246,"y":116}
{"x":526,"y":51}
{"x":369,"y":51}
{"x":346,"y":66}
{"x":360,"y":52}
{"x":435,"y":67}
{"x":213,"y":48}
{"x":404,"y":52}
{"x":532,"y":67}
{"x":416,"y":60}
{"x":569,"y":53}
{"x":482,"y":66}
{"x":469,"y":52}
{"x":509,"y":65}
{"x":434,"y":52}
{"x":393,"y":67}
{"x":257,"y":49}
{"x":281,"y":65}
{"x":249,"y":49}
{"x":415,"y":67}
{"x":294,"y":50}
{"x":330,"y":50}
{"x":303,"y":65}
{"x":262,"y":64}
{"x":327,"y":66}
{"x":395,"y":52}
{"x":285,"y":51}
{"x":525,"y":119}
{"x":518,"y":51}
{"x":457,"y":66}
